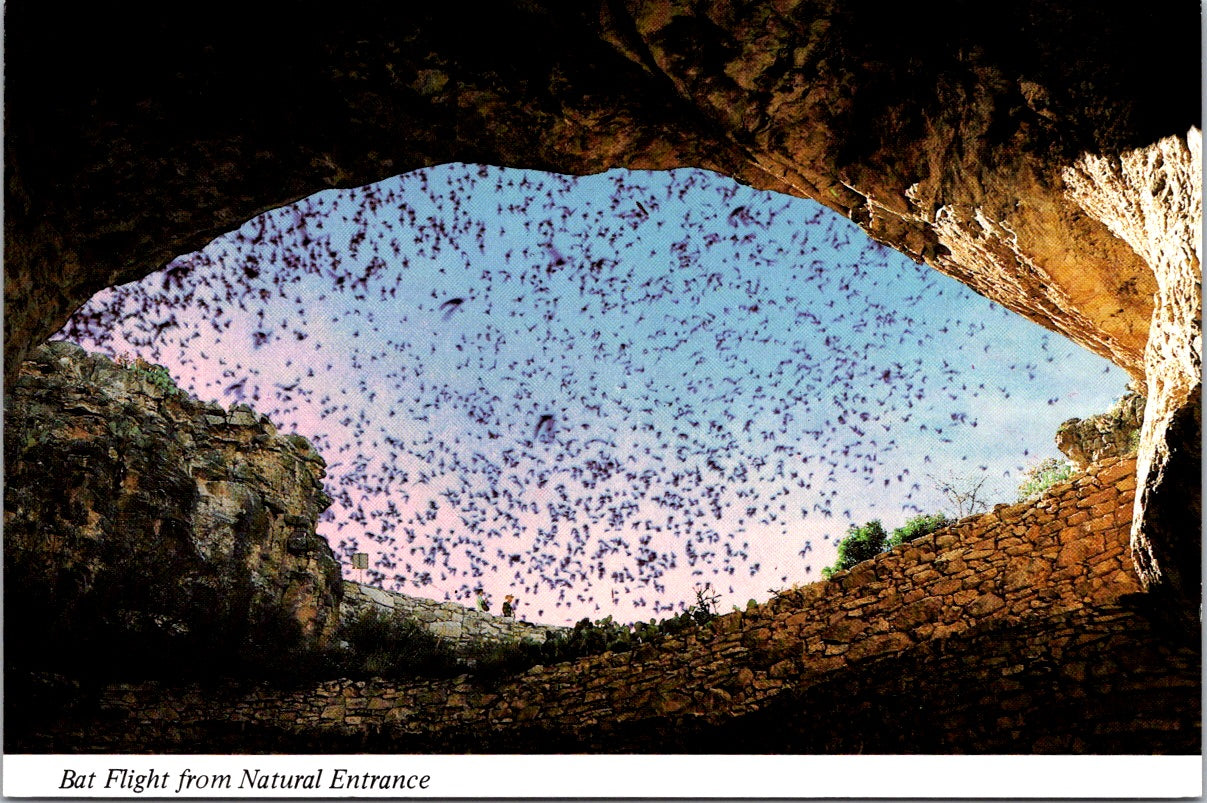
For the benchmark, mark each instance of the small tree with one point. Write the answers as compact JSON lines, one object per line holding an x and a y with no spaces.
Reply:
{"x":705,"y":609}
{"x":1042,"y":476}
{"x":962,"y":493}
{"x":916,"y":527}
{"x":860,"y":544}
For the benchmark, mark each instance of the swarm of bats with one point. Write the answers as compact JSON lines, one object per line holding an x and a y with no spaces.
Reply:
{"x":582,"y":390}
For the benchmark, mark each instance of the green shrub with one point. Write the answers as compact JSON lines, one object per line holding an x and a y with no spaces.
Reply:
{"x":385,"y":645}
{"x":916,"y":527}
{"x":157,"y":375}
{"x":493,"y":660}
{"x":1043,"y":476}
{"x":861,"y":543}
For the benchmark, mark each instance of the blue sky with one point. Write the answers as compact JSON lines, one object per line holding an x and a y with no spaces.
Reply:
{"x":599,"y":393}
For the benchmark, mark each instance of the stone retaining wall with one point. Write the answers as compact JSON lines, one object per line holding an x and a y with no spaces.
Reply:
{"x":1018,"y":569}
{"x":461,"y":627}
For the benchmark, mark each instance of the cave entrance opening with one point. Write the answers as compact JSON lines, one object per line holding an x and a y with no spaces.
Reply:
{"x":599,"y":394}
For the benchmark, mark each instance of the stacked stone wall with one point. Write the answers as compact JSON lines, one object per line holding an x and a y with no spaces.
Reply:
{"x":460,"y":627}
{"x":1101,"y":680}
{"x":1045,"y":579}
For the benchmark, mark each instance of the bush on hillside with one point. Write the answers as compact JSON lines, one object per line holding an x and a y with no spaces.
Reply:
{"x":861,"y":543}
{"x":918,"y":526}
{"x":388,"y":645}
{"x":1043,"y":476}
{"x":494,"y":661}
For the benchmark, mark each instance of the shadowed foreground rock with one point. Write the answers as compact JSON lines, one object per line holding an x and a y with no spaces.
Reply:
{"x":943,"y":134}
{"x":138,"y":518}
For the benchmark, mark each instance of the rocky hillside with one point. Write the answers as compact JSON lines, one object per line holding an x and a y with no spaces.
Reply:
{"x":458,"y":626}
{"x":136,"y":516}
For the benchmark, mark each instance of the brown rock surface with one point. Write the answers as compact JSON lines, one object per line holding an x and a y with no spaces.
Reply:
{"x":1151,"y":198}
{"x":942,"y":135}
{"x":129,"y":501}
{"x":1111,"y":434}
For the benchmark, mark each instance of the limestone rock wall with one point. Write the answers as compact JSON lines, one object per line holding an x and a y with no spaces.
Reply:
{"x":1114,"y":433}
{"x":1007,"y":616}
{"x":1151,"y":198}
{"x":461,"y":627}
{"x":127,"y":500}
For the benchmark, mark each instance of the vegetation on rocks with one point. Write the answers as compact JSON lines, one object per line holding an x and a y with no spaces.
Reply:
{"x":918,"y":526}
{"x":1042,"y":476}
{"x":157,"y":375}
{"x":861,"y":543}
{"x":377,"y":644}
{"x":594,"y":637}
{"x":869,"y":540}
{"x":126,"y":646}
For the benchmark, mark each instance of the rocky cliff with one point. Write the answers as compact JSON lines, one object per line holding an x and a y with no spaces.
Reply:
{"x":135,"y":516}
{"x":1047,"y":156}
{"x":1111,"y":434}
